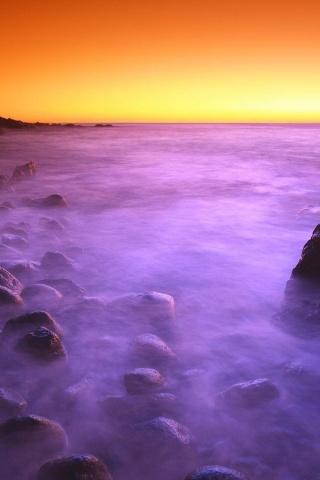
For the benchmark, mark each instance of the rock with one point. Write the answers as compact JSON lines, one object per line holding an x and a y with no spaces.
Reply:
{"x":163,"y":448}
{"x":3,"y":182}
{"x":42,"y":345}
{"x":56,"y":261}
{"x":6,"y":204}
{"x":154,"y":351}
{"x":23,"y":172}
{"x":23,"y":270}
{"x":15,"y":241}
{"x":10,"y":406}
{"x":67,"y":287}
{"x":27,"y":441}
{"x":17,"y":327}
{"x":38,"y":295}
{"x":8,"y":297}
{"x":215,"y":472}
{"x":8,"y":281}
{"x":52,"y":201}
{"x":11,"y":123}
{"x":51,"y":224}
{"x":143,"y":380}
{"x":301,"y":320}
{"x":75,"y":467}
{"x":130,"y":408}
{"x":15,"y":231}
{"x":150,"y":311}
{"x":248,"y":394}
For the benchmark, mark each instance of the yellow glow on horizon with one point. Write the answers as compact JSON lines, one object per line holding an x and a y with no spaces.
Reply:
{"x":137,"y":62}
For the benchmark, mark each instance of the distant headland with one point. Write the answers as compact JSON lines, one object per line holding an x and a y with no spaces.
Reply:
{"x":19,"y":124}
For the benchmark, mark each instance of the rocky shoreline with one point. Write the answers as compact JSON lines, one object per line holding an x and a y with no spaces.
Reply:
{"x":64,"y":416}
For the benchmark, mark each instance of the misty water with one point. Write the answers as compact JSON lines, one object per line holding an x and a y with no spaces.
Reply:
{"x":216,"y":217}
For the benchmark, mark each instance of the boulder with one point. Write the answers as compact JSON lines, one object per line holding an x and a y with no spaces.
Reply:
{"x":9,"y":405}
{"x":17,"y":327}
{"x":255,"y":393}
{"x":67,"y":287}
{"x":8,"y":297}
{"x":27,"y":441}
{"x":23,"y":172}
{"x":42,"y":345}
{"x":10,"y":282}
{"x":52,"y":201}
{"x":143,"y":380}
{"x":56,"y":261}
{"x":38,"y":296}
{"x":23,"y":270}
{"x":149,"y":348}
{"x":300,"y":320}
{"x":215,"y":472}
{"x":75,"y":467}
{"x":53,"y":225}
{"x":12,"y":240}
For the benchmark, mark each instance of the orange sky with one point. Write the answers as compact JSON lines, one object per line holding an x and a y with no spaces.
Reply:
{"x":173,"y":60}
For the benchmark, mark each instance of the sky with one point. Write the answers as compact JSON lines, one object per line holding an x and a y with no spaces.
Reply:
{"x":167,"y":61}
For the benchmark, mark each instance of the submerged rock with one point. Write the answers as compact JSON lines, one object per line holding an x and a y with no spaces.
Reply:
{"x":27,"y":441}
{"x":75,"y":467}
{"x":215,"y":472}
{"x":8,"y":297}
{"x":301,"y":320}
{"x":52,"y":201}
{"x":23,"y":270}
{"x":143,"y":380}
{"x":151,"y":349}
{"x":9,"y":405}
{"x":248,"y":394}
{"x":23,"y":172}
{"x":37,"y":295}
{"x":56,"y":261}
{"x":10,"y":282}
{"x":17,"y":327}
{"x":42,"y":345}
{"x":67,"y":287}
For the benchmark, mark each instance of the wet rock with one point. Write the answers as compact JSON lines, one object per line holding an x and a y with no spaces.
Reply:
{"x":12,"y":240}
{"x":215,"y":472}
{"x":130,"y":408}
{"x":23,"y":270}
{"x":17,"y":327}
{"x":56,"y":261}
{"x":42,"y":345}
{"x":163,"y":448}
{"x":27,"y":441}
{"x":9,"y":405}
{"x":67,"y":287}
{"x":300,"y":320}
{"x":143,"y":380}
{"x":6,"y":204}
{"x":7,"y":297}
{"x":8,"y":281}
{"x":53,"y":225}
{"x":23,"y":172}
{"x":38,"y":295}
{"x":248,"y":394}
{"x":151,"y":349}
{"x":150,"y":311}
{"x":52,"y":201}
{"x":75,"y":467}
{"x":15,"y":231}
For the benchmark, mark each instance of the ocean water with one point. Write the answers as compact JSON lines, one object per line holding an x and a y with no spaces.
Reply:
{"x":214,"y":215}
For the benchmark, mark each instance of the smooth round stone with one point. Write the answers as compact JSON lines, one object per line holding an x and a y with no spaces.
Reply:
{"x":75,"y":467}
{"x":56,"y":260}
{"x":38,"y":296}
{"x":248,"y":394}
{"x":215,"y":472}
{"x":17,"y":327}
{"x":152,"y":348}
{"x":143,"y":380}
{"x":42,"y":345}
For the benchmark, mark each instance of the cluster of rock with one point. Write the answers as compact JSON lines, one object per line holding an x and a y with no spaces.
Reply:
{"x":67,"y":413}
{"x":19,"y":124}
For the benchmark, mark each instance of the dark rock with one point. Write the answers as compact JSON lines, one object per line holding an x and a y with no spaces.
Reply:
{"x":23,"y":270}
{"x":8,"y":297}
{"x":52,"y":201}
{"x":8,"y":281}
{"x":75,"y":467}
{"x":143,"y":380}
{"x":103,"y":125}
{"x":67,"y":287}
{"x":215,"y":472}
{"x":42,"y":345}
{"x":15,"y":231}
{"x":17,"y":327}
{"x":51,"y":224}
{"x":130,"y":408}
{"x":151,"y":349}
{"x":249,"y":394}
{"x":23,"y":172}
{"x":27,"y":441}
{"x":38,"y":295}
{"x":151,"y":311}
{"x":10,"y":406}
{"x":301,"y":320}
{"x":15,"y":241}
{"x":11,"y":123}
{"x":56,"y":261}
{"x":163,"y":448}
{"x":6,"y":204}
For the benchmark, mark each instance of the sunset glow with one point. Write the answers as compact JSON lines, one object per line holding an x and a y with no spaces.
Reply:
{"x":125,"y":61}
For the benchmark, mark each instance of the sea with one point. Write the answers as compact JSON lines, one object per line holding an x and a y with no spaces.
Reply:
{"x":214,"y":215}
